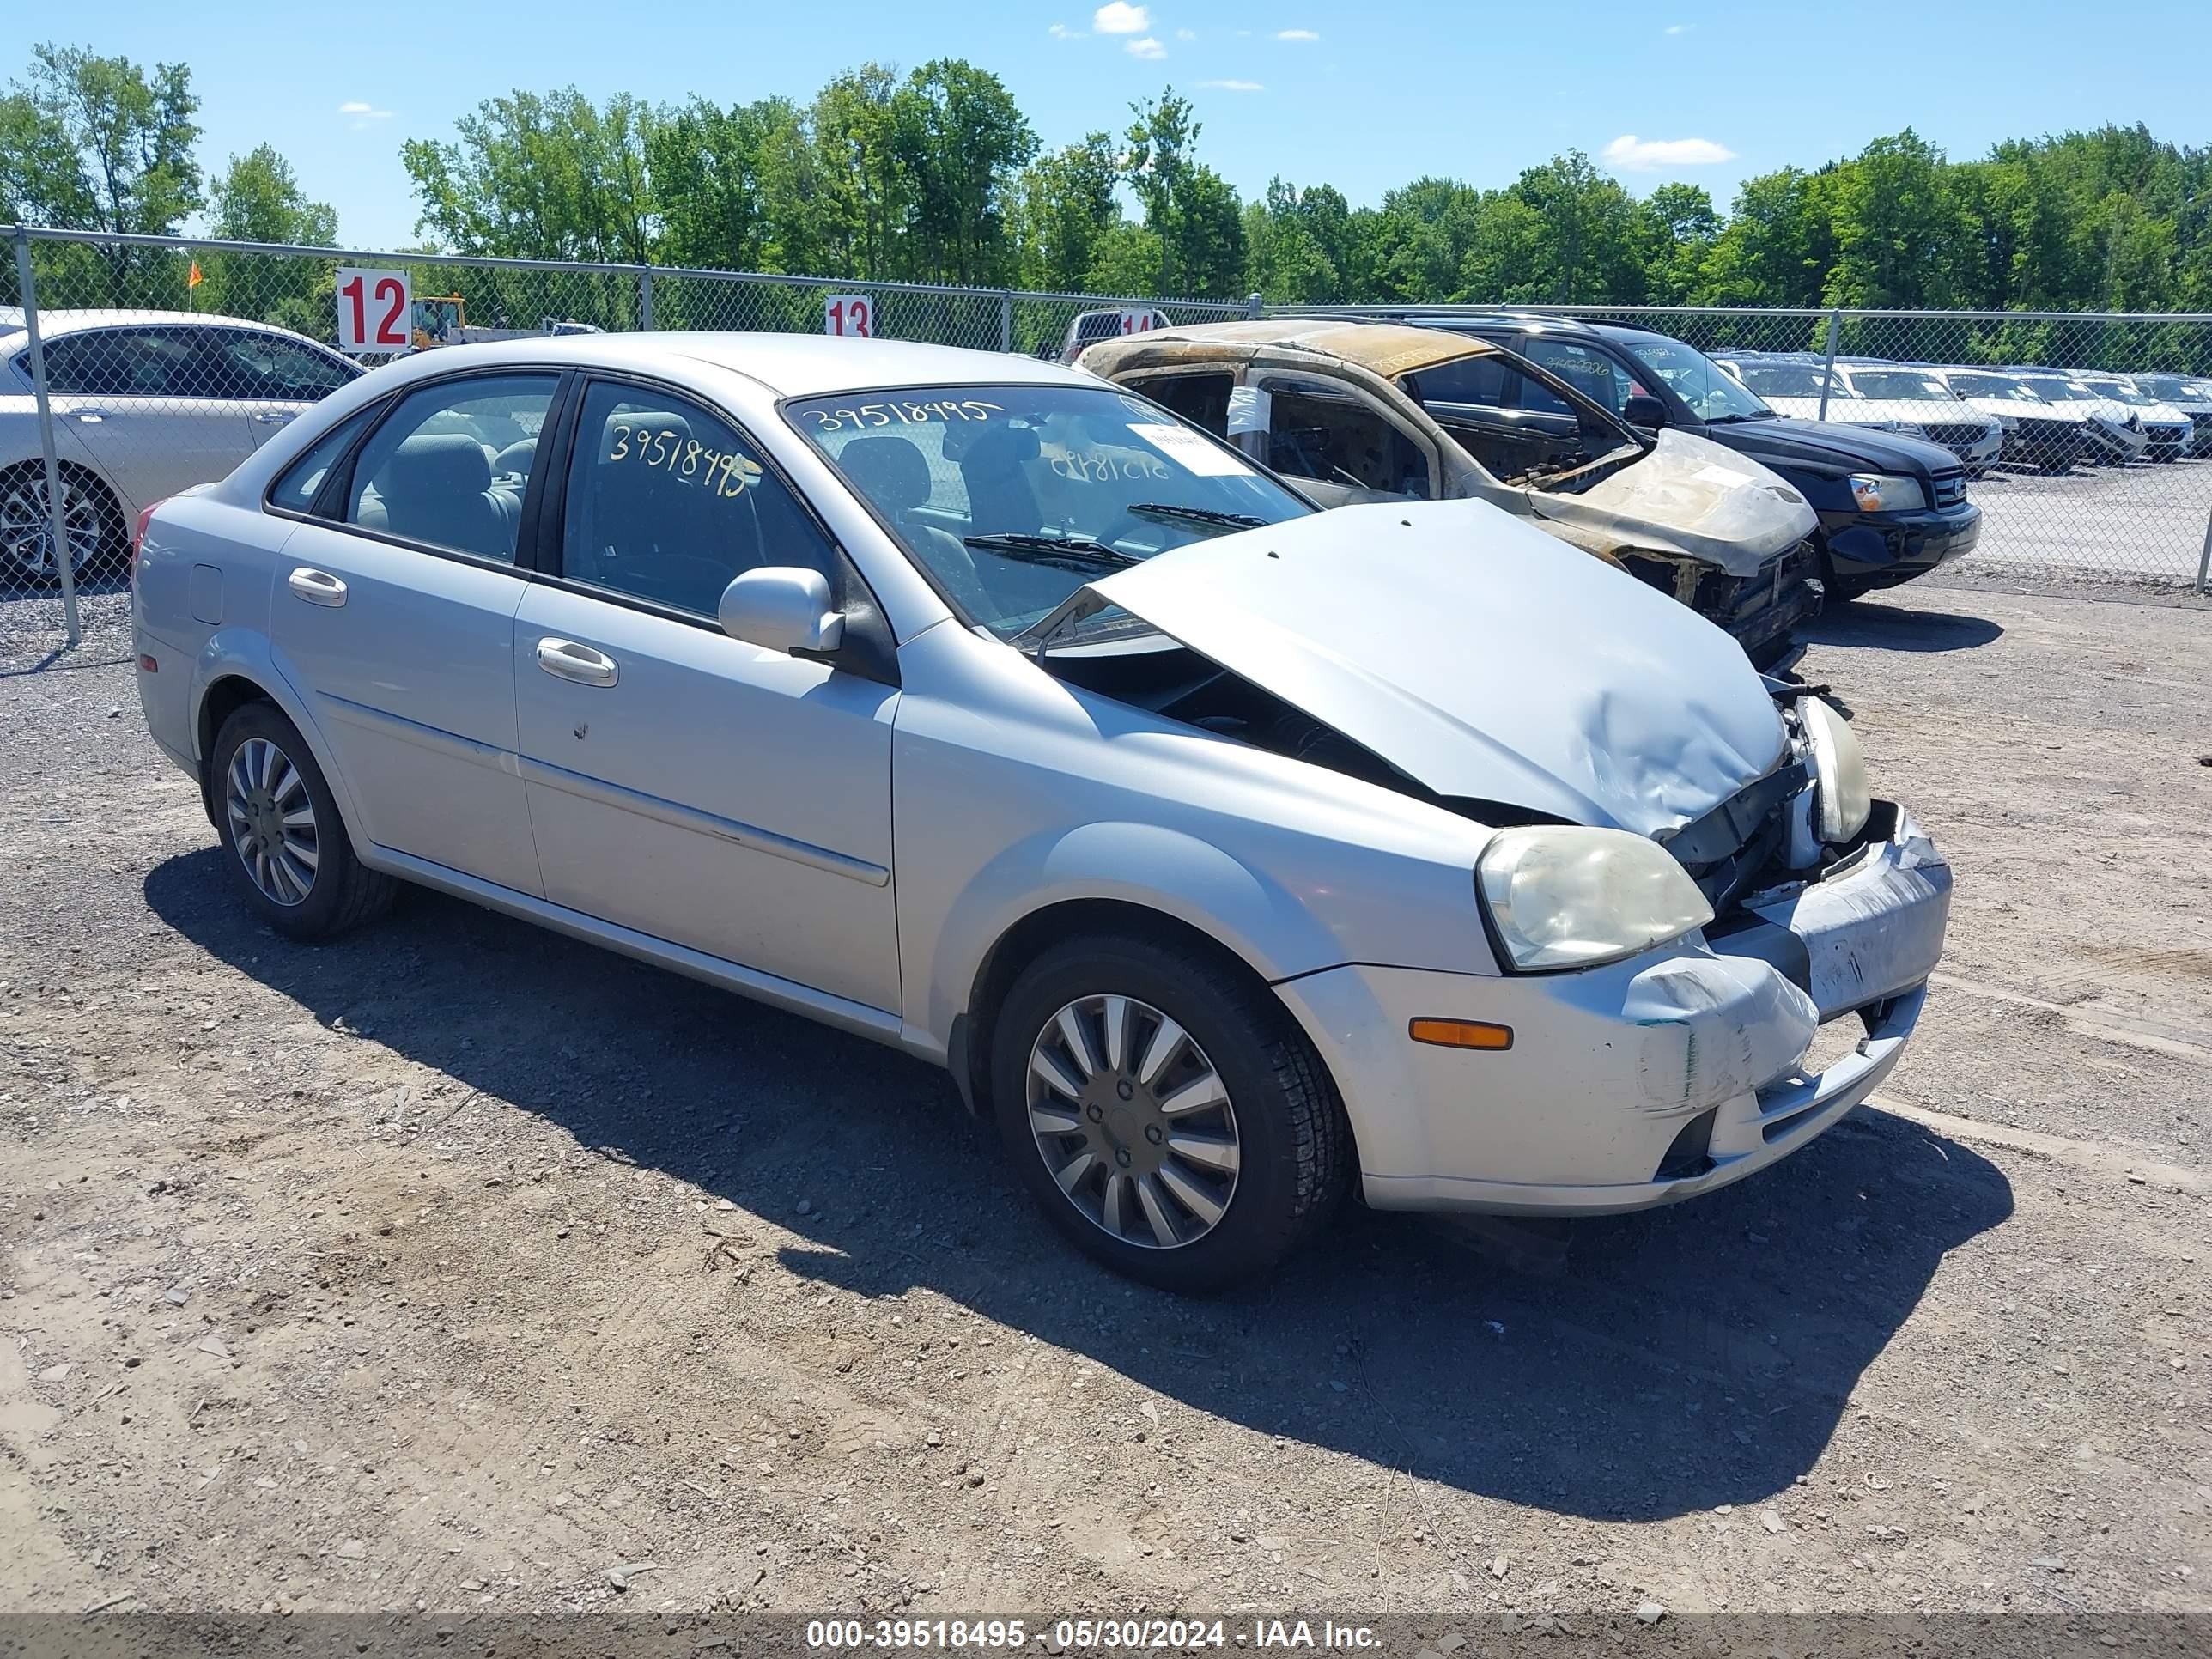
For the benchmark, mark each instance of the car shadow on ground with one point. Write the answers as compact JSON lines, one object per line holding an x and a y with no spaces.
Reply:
{"x":1674,"y":1361}
{"x":1870,"y":622}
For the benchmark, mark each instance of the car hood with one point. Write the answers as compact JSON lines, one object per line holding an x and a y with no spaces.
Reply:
{"x":1692,"y":496}
{"x":1833,"y":444}
{"x":1481,"y":657}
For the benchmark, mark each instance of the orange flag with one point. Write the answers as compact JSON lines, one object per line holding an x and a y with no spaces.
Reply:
{"x":195,"y":279}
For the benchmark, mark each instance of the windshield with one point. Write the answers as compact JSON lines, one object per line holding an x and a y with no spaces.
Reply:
{"x":1698,"y":380}
{"x":1994,"y":386}
{"x":1786,"y":379}
{"x":2171,"y":387}
{"x":2120,"y":393}
{"x":1014,"y":496}
{"x":2066,"y":391}
{"x":1906,"y":383}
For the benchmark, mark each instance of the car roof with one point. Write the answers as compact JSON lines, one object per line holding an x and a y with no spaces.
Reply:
{"x":1386,"y":349}
{"x":60,"y":321}
{"x":785,"y":365}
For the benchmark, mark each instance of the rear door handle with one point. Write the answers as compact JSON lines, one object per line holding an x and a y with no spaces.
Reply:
{"x":568,"y":660}
{"x":316,"y":586}
{"x":274,"y":416}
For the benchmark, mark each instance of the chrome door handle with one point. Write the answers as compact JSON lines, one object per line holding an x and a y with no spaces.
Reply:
{"x":316,"y":586}
{"x":274,"y":416}
{"x":92,"y":416}
{"x":568,"y":660}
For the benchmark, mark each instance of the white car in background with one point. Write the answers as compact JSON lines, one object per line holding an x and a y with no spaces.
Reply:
{"x":1976,"y":436}
{"x":2193,"y":397}
{"x":2118,"y":429}
{"x":1792,"y":385}
{"x":2039,"y":434}
{"x":145,"y":403}
{"x":2166,"y":430}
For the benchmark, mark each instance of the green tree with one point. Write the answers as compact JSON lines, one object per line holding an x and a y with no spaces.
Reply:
{"x":963,"y":142}
{"x":1189,"y":208}
{"x":1066,"y":212}
{"x":258,"y":198}
{"x":541,"y":177}
{"x":91,"y":144}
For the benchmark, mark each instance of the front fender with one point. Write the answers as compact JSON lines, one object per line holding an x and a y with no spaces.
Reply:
{"x":246,"y":652}
{"x":1165,"y":871}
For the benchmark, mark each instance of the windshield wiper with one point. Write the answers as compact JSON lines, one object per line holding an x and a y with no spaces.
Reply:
{"x":1066,"y":552}
{"x":1197,"y":514}
{"x":1730,"y":420}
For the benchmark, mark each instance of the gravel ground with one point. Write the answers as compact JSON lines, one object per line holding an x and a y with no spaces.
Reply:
{"x":454,"y":1265}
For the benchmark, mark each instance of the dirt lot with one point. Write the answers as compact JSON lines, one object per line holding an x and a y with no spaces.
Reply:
{"x":455,"y":1265}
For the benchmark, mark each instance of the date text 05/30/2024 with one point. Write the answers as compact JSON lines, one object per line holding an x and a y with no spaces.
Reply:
{"x":1089,"y":1635}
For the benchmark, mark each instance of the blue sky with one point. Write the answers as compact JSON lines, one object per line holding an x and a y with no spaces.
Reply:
{"x":1362,"y":96}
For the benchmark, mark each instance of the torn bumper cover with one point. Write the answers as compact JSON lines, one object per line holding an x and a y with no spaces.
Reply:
{"x":1643,"y":1082}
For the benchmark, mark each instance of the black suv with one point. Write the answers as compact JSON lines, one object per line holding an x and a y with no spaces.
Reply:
{"x":1891,"y":507}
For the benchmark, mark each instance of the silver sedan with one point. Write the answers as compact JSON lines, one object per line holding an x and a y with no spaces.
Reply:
{"x":1230,"y":854}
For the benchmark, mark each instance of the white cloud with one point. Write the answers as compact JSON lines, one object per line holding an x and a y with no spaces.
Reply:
{"x":1185,"y":34}
{"x":1061,"y":31}
{"x":1629,"y":154}
{"x":1300,"y":35}
{"x":355,"y":106}
{"x":1119,"y":17}
{"x":1147,"y":47}
{"x":1231,"y":86}
{"x":1679,"y":28}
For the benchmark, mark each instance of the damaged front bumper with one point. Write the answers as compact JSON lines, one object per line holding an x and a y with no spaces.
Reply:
{"x":1643,"y":1082}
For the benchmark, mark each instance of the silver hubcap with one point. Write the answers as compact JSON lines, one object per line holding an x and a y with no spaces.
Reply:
{"x":1133,"y":1121}
{"x":272,"y":822}
{"x":27,"y":531}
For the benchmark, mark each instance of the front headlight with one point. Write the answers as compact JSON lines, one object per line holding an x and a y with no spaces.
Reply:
{"x":1882,"y":492}
{"x":1569,"y":897}
{"x":1838,"y":768}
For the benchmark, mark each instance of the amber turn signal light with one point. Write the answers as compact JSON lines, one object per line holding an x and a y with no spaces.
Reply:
{"x":1461,"y":1034}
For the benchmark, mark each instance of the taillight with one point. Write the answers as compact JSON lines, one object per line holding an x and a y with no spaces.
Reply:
{"x":138,"y":536}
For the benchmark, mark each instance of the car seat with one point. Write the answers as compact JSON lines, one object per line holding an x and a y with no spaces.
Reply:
{"x":892,"y":473}
{"x":437,"y":488}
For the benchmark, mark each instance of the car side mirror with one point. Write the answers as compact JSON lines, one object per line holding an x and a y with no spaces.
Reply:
{"x":1645,"y":410}
{"x":782,"y":608}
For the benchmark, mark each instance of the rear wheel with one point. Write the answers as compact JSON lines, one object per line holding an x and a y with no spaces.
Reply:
{"x":1171,"y":1119}
{"x":289,"y":852}
{"x":91,"y":522}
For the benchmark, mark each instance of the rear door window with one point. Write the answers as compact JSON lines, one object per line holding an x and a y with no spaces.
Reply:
{"x":1589,"y":372}
{"x":449,"y":467}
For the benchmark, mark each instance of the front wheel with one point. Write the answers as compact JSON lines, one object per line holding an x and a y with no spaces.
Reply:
{"x":1172,"y":1120}
{"x":288,"y":849}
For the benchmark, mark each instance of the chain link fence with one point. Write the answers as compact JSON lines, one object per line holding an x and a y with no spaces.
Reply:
{"x":2085,"y":438}
{"x":131,"y":367}
{"x":134,"y":366}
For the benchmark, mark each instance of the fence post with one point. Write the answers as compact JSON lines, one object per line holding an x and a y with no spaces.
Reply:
{"x":644,"y":298}
{"x":1256,"y":307}
{"x":57,"y":521}
{"x":1828,"y":372}
{"x":1005,"y":319}
{"x":2204,"y":559}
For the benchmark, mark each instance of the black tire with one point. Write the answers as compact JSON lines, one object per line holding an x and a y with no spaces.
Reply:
{"x":23,"y":490}
{"x":343,"y":893}
{"x":1297,"y":1155}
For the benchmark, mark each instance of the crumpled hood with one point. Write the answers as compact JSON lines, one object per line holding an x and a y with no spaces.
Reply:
{"x":1691,"y":495}
{"x":1479,"y":656}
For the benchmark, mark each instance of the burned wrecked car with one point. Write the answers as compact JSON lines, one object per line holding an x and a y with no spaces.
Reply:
{"x":1360,"y":412}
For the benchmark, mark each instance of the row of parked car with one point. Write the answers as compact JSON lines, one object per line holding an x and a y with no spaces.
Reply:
{"x":2048,"y":419}
{"x":1283,"y":759}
